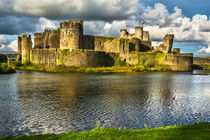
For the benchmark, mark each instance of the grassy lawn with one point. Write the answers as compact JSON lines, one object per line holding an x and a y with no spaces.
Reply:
{"x":198,"y":131}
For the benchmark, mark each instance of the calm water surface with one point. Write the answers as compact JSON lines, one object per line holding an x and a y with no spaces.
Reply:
{"x":40,"y":103}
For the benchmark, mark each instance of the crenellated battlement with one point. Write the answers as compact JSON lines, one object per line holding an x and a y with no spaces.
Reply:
{"x":71,"y":23}
{"x":25,"y":36}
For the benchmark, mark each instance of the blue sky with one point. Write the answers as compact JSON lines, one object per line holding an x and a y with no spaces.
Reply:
{"x":189,"y":7}
{"x":189,"y":20}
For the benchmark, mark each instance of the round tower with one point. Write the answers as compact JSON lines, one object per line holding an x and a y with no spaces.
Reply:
{"x":25,"y":48}
{"x":139,"y":32}
{"x":71,"y":34}
{"x":123,"y":33}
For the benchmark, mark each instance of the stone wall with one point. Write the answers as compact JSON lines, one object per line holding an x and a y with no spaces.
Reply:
{"x":182,"y":62}
{"x":67,"y":57}
{"x":38,"y":41}
{"x":51,"y":39}
{"x":200,"y":63}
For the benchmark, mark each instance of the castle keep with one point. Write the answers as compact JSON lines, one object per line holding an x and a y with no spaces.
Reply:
{"x":70,"y":47}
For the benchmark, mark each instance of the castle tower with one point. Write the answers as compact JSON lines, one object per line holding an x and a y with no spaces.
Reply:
{"x":168,"y":42}
{"x":38,"y":41}
{"x":123,"y":33}
{"x":19,"y":45}
{"x":51,"y":39}
{"x":71,"y":34}
{"x":146,"y":36}
{"x":26,"y":47}
{"x":139,"y":32}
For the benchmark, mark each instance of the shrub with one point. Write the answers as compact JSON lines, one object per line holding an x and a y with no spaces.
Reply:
{"x":5,"y":69}
{"x":121,"y":63}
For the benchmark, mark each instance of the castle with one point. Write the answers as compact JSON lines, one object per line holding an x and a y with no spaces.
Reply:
{"x":70,"y":47}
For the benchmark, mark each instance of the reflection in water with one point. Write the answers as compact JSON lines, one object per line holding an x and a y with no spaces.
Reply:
{"x":39,"y":103}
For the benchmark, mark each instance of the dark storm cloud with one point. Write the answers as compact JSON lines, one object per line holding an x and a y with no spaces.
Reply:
{"x":65,"y":9}
{"x":15,"y":25}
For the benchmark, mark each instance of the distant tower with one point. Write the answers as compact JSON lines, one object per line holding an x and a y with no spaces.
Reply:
{"x":19,"y":45}
{"x":51,"y":39}
{"x":146,"y":36}
{"x":38,"y":41}
{"x":71,"y":34}
{"x":26,"y":47}
{"x":139,"y":32}
{"x":123,"y":33}
{"x":168,"y":42}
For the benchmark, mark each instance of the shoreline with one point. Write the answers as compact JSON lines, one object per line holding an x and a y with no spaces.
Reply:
{"x":114,"y":69}
{"x":193,"y":131}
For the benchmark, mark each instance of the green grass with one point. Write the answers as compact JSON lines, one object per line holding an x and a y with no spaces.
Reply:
{"x":198,"y":131}
{"x":206,"y":67}
{"x":4,"y":69}
{"x":95,"y":70}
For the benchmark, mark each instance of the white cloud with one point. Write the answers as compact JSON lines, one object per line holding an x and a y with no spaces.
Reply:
{"x":85,"y":9}
{"x":48,"y":24}
{"x":204,"y":50}
{"x":107,"y":17}
{"x":7,"y":46}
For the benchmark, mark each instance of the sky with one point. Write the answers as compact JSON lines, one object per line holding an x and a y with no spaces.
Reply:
{"x":188,"y":20}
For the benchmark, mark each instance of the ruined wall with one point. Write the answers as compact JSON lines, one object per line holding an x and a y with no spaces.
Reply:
{"x":51,"y":39}
{"x":67,"y":57}
{"x":168,"y":42}
{"x":139,"y":32}
{"x":146,"y":36}
{"x":88,"y":42}
{"x":38,"y":41}
{"x":123,"y":33}
{"x":71,"y":34}
{"x":200,"y":63}
{"x":145,"y":46}
{"x":26,"y":46}
{"x":182,"y":62}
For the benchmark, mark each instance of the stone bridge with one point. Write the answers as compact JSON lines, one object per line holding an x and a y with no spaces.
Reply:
{"x":9,"y":57}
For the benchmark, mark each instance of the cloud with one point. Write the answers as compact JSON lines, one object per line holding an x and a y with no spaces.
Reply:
{"x":65,"y":9}
{"x":15,"y":25}
{"x":8,"y":46}
{"x":204,"y":50}
{"x":103,"y":17}
{"x":48,"y":24}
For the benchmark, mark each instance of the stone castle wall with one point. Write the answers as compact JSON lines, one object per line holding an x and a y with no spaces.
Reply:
{"x":66,"y":57}
{"x":182,"y":62}
{"x":90,"y":58}
{"x":200,"y":63}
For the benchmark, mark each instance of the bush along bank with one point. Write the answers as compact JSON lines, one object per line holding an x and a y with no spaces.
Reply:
{"x":4,"y":69}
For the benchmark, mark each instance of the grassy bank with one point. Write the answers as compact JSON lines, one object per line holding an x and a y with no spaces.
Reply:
{"x":199,"y":131}
{"x":4,"y":69}
{"x":95,"y":70}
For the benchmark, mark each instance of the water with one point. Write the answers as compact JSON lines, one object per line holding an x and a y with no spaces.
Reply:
{"x":41,"y":103}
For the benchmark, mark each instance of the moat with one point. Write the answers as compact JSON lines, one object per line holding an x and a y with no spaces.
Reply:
{"x":40,"y":103}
